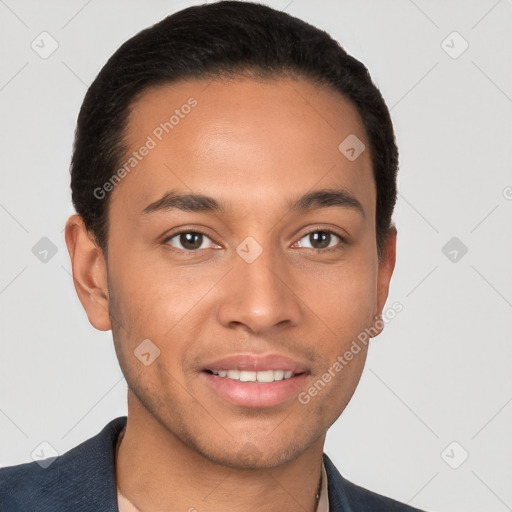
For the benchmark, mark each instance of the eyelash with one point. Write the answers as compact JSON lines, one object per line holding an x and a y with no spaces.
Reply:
{"x":328,"y":250}
{"x":316,"y":230}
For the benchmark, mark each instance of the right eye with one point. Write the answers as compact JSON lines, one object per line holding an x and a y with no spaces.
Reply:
{"x":189,"y":241}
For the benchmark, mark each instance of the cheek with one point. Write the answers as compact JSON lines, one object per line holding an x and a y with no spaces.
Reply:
{"x":343,"y":298}
{"x":152,"y":300}
{"x":151,"y":295}
{"x":333,"y":385}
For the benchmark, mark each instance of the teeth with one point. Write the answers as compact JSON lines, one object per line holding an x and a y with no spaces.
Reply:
{"x":278,"y":375}
{"x":266,"y":376}
{"x":250,"y":376}
{"x":247,"y":376}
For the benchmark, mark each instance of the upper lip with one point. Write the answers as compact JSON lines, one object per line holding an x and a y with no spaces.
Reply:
{"x":256,"y":363}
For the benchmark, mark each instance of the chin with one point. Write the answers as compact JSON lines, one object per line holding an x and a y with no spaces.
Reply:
{"x":248,"y":455}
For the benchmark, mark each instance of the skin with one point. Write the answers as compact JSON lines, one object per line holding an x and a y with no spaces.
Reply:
{"x":254,"y":145}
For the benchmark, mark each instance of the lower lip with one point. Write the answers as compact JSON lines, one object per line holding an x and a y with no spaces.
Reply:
{"x":255,"y":394}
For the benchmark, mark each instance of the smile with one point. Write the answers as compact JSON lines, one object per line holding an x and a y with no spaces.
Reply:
{"x":255,"y":389}
{"x":250,"y":376}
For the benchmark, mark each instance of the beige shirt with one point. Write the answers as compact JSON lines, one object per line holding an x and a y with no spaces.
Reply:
{"x":125,"y":505}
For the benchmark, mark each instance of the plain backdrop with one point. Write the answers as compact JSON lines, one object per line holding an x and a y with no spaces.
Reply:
{"x":430,"y":423}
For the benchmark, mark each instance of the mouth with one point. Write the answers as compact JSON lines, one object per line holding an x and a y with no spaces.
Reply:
{"x":262,"y":376}
{"x":254,"y":389}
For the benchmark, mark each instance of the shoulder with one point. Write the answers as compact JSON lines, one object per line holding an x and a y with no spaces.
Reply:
{"x":345,"y":495}
{"x":75,"y":480}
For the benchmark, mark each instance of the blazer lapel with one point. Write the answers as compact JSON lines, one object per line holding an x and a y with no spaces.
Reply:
{"x":336,"y":488}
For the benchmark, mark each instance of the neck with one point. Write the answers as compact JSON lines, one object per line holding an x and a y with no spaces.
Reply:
{"x":157,"y":471}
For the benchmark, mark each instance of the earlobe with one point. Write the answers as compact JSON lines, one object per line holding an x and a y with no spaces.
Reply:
{"x":386,"y":267}
{"x":89,"y":273}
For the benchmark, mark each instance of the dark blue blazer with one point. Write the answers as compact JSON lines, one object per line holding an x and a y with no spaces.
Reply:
{"x":83,"y":480}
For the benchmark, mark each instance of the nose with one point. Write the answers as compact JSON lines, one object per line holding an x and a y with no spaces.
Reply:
{"x":260,"y":295}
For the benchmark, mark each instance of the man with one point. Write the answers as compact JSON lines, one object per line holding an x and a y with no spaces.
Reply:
{"x":234,"y":177}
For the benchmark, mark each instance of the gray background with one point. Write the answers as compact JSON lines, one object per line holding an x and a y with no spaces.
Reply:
{"x":439,"y":373}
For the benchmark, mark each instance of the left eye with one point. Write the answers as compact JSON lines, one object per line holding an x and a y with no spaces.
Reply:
{"x":190,"y":240}
{"x":320,"y":239}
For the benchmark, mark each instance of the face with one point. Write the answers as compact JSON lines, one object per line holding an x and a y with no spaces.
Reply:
{"x":248,"y":271}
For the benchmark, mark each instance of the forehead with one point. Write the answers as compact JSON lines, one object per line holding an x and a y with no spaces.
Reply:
{"x":242,"y":140}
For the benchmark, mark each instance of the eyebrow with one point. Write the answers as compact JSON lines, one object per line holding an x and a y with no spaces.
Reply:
{"x":186,"y":202}
{"x":324,"y":198}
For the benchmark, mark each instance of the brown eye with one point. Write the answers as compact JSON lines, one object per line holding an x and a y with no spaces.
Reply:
{"x":321,"y":240}
{"x":188,"y":241}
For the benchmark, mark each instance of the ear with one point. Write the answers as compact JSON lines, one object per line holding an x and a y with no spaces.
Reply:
{"x":386,"y":267}
{"x":89,"y":272}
